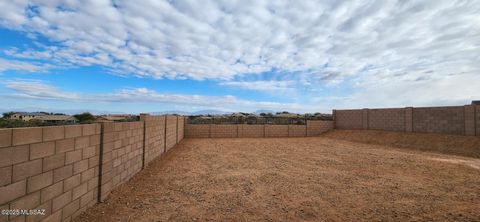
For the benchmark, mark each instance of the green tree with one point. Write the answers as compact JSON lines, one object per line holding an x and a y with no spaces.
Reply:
{"x":7,"y":114}
{"x":85,"y":117}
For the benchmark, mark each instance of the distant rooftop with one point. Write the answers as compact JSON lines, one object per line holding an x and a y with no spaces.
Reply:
{"x":57,"y":118}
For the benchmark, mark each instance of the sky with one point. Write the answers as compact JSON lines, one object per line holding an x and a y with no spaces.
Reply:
{"x":246,"y":55}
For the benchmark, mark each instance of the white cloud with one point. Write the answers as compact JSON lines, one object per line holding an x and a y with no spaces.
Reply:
{"x":331,"y":41}
{"x":271,"y":85}
{"x":38,"y":90}
{"x":33,"y":89}
{"x":22,"y":66}
{"x":454,"y":89}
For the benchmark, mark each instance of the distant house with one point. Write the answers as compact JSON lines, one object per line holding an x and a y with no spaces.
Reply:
{"x":43,"y":117}
{"x":113,"y":118}
{"x":57,"y":119}
{"x":26,"y":116}
{"x":237,"y":115}
{"x":287,"y":115}
{"x":102,"y":119}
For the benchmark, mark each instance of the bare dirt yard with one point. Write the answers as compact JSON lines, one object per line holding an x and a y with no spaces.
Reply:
{"x":324,"y":178}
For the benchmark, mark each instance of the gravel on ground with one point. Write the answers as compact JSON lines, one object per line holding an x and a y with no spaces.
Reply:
{"x":322,"y":178}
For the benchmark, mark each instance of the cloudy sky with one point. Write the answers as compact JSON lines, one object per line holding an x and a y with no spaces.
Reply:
{"x":300,"y":56}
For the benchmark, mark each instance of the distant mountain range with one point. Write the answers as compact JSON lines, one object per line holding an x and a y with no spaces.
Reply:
{"x":264,"y":111}
{"x":205,"y":112}
{"x":101,"y":112}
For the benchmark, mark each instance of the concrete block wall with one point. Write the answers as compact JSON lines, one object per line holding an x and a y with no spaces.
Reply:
{"x":51,"y":168}
{"x":448,"y":120}
{"x":297,"y":130}
{"x":459,"y":120}
{"x":349,"y":119}
{"x":122,"y":154}
{"x":276,"y":130}
{"x":251,"y":131}
{"x":386,"y":119}
{"x":66,"y":169}
{"x":317,"y":127}
{"x":364,"y":118}
{"x":171,"y":134}
{"x":154,"y":138}
{"x":477,"y":120}
{"x":224,"y":130}
{"x":197,"y":130}
{"x":181,"y":128}
{"x":312,"y":128}
{"x":161,"y":134}
{"x":470,"y":127}
{"x":409,"y":119}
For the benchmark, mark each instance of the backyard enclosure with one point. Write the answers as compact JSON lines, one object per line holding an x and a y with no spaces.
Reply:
{"x":297,"y":179}
{"x":68,"y":169}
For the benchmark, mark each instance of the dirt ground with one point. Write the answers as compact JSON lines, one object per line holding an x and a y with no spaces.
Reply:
{"x":296,"y":179}
{"x":468,"y":146}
